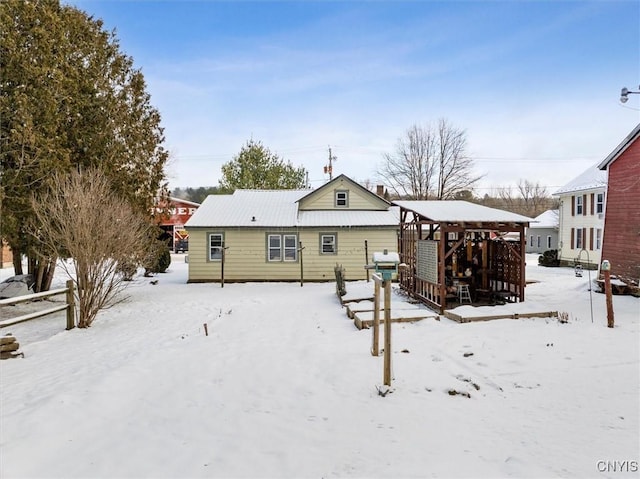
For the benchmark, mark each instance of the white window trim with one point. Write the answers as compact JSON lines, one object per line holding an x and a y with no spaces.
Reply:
{"x":337,"y":199}
{"x":599,"y":203}
{"x":334,"y":243}
{"x":284,"y":250}
{"x":209,"y":238}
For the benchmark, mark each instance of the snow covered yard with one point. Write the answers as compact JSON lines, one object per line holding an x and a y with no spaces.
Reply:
{"x":284,"y":385}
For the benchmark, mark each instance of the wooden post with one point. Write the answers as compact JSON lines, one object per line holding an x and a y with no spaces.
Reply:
{"x":387,"y":332}
{"x":366,"y":258}
{"x":375,"y":348}
{"x":300,"y":248}
{"x":222,"y":266}
{"x":71,"y":306}
{"x":606,"y":270}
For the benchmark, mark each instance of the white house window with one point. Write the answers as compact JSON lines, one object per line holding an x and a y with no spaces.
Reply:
{"x":290,"y":247}
{"x":579,"y":238}
{"x":282,"y":248}
{"x":548,"y":242}
{"x":538,"y":243}
{"x":328,"y":243}
{"x":600,"y":203}
{"x":275,"y":248}
{"x":579,"y":205}
{"x":531,"y":240}
{"x":598,"y":238}
{"x":342,"y":199}
{"x":216,"y":242}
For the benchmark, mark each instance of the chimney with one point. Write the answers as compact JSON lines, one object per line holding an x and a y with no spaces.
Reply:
{"x":380,"y":190}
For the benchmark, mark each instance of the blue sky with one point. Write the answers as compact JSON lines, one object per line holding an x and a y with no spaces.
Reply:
{"x":535,"y":84}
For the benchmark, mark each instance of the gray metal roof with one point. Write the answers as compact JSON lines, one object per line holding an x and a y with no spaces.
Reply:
{"x":339,"y":218}
{"x":460,"y":211}
{"x":279,"y":208}
{"x":591,"y":178}
{"x":548,"y":219}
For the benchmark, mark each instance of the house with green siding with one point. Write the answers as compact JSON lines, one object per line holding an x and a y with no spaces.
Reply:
{"x":281,"y":235}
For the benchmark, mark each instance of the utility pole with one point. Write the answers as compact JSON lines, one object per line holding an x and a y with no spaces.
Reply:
{"x":329,"y":168}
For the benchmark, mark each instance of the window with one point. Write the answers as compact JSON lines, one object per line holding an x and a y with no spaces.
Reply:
{"x":328,"y":243}
{"x":579,"y":205}
{"x":600,"y":203}
{"x":579,"y":238}
{"x":548,"y":242}
{"x":342,"y":199}
{"x":282,"y":248}
{"x":531,"y":240}
{"x":290,"y":247}
{"x":216,"y":243}
{"x":598,"y":238}
{"x":538,"y":243}
{"x":275,"y":248}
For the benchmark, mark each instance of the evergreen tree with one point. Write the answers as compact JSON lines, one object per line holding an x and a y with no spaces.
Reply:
{"x":255,"y":167}
{"x":69,"y":100}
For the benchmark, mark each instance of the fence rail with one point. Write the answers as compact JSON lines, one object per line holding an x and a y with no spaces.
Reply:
{"x":69,"y":306}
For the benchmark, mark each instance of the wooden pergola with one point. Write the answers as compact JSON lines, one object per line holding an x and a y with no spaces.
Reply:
{"x":448,"y":243}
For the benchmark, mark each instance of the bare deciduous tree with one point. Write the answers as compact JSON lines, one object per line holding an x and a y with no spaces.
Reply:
{"x":528,"y":199}
{"x":429,"y":163}
{"x":80,"y":217}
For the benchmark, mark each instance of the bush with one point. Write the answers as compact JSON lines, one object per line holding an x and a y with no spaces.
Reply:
{"x":159,"y":259}
{"x":164,"y":261}
{"x":549,"y":258}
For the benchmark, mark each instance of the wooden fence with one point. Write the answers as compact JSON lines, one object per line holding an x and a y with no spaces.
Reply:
{"x":69,"y":306}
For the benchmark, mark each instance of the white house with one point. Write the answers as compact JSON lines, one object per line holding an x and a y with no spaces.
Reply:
{"x":542,"y":233}
{"x":581,"y":218}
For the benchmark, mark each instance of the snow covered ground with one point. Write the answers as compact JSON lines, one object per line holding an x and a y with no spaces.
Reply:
{"x":284,"y":385}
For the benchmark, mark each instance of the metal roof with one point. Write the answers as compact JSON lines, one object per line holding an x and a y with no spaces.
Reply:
{"x":340,"y":218}
{"x":279,"y":208}
{"x":548,"y":219}
{"x":460,"y":211}
{"x":589,"y":179}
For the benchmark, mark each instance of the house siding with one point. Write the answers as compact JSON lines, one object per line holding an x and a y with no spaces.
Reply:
{"x":358,"y":199}
{"x":543,"y":233}
{"x":246,"y":256}
{"x":621,"y":242}
{"x":588,"y":221}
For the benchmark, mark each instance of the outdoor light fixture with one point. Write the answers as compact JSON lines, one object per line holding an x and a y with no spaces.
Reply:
{"x":624,"y":94}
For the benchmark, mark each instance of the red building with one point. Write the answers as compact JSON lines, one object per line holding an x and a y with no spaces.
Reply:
{"x":621,"y":242}
{"x":180,"y":211}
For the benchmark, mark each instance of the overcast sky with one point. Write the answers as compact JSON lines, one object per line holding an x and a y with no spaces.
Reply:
{"x":535,"y":85}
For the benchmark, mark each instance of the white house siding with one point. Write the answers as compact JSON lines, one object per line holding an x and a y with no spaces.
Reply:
{"x":246,"y":256}
{"x":588,"y":224}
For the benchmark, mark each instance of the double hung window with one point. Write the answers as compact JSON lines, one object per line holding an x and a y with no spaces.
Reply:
{"x":282,"y":247}
{"x":216,"y":243}
{"x":342,"y":199}
{"x":328,"y":243}
{"x":600,"y":203}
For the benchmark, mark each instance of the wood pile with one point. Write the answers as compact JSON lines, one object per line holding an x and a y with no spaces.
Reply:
{"x":9,"y":347}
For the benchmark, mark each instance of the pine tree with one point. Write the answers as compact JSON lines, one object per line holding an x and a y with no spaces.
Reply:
{"x":69,"y":100}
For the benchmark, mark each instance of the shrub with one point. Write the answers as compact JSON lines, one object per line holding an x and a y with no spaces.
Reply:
{"x":158,"y":260}
{"x":549,"y":258}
